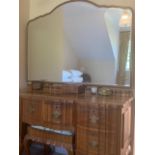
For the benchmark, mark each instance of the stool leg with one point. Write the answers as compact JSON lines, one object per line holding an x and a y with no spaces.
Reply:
{"x":27,"y":146}
{"x":52,"y":149}
{"x":46,"y":149}
{"x":71,"y":152}
{"x":20,"y":149}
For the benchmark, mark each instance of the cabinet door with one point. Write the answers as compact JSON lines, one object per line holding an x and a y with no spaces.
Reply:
{"x":32,"y":110}
{"x":118,"y":122}
{"x":113,"y":129}
{"x":126,"y":126}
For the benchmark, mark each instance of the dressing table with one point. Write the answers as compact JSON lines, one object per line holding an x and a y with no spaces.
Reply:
{"x":94,"y":117}
{"x":82,"y":123}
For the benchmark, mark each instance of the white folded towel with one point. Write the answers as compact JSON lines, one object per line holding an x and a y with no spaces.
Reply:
{"x":66,"y":74}
{"x":72,"y":76}
{"x":76,"y":73}
{"x":66,"y":79}
{"x":77,"y":79}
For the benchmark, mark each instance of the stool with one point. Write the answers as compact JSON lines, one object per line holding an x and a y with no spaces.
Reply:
{"x":49,"y":137}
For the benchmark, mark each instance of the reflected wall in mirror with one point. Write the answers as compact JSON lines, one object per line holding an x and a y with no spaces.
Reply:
{"x":80,"y":42}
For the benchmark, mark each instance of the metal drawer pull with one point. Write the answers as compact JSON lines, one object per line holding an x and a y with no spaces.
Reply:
{"x":56,"y":114}
{"x":93,"y":144}
{"x":93,"y":119}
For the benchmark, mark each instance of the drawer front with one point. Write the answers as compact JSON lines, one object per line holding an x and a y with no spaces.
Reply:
{"x":91,"y":115}
{"x":91,"y":141}
{"x":32,"y":110}
{"x":82,"y":114}
{"x":58,"y":139}
{"x":102,"y":117}
{"x":59,"y":113}
{"x":55,"y":113}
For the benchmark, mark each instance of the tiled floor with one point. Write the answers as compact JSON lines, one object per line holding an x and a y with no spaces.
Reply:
{"x":37,"y":149}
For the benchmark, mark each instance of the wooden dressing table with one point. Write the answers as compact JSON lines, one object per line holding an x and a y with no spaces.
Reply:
{"x":84,"y":124}
{"x":69,"y":115}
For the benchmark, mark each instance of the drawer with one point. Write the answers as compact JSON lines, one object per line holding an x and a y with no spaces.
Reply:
{"x":53,"y":137}
{"x":91,"y":115}
{"x":82,"y":114}
{"x":90,"y":141}
{"x":32,"y":110}
{"x":58,"y":113}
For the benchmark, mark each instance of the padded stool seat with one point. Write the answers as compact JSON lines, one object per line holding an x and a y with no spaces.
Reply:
{"x":47,"y":136}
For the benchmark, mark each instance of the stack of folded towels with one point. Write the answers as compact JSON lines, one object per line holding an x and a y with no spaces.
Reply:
{"x":72,"y":76}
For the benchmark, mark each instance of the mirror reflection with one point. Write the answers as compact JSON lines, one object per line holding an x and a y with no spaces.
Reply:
{"x":79,"y":42}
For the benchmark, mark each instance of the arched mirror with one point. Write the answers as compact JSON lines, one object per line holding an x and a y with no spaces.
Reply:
{"x":80,"y":42}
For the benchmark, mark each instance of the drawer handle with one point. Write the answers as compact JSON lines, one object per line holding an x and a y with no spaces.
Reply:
{"x":93,"y":119}
{"x":56,"y":114}
{"x":93,"y":144}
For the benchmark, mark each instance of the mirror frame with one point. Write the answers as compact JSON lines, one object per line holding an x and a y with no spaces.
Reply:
{"x":132,"y":64}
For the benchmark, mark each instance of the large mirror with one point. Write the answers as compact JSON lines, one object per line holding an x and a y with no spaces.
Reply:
{"x":79,"y":42}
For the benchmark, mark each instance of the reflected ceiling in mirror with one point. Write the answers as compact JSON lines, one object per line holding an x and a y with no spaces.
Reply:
{"x":80,"y":42}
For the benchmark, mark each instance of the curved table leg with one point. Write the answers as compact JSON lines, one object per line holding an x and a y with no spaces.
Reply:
{"x":47,"y":149}
{"x":71,"y":151}
{"x":20,"y":149}
{"x":27,"y":143}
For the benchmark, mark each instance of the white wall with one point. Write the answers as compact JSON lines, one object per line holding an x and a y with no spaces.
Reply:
{"x":113,"y":31}
{"x":69,"y":56}
{"x":23,"y":19}
{"x":86,"y":31}
{"x":49,"y":51}
{"x":64,"y":39}
{"x":39,"y":7}
{"x":98,"y":74}
{"x":46,"y":34}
